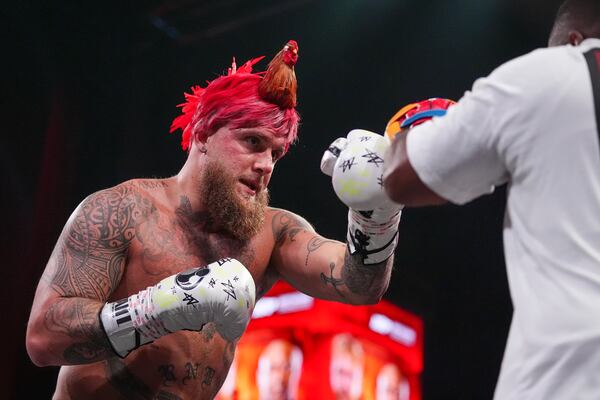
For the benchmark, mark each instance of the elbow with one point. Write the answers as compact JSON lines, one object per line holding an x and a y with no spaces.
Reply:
{"x":372,"y":300}
{"x":369,"y":299}
{"x":37,"y":350}
{"x":377,"y":295}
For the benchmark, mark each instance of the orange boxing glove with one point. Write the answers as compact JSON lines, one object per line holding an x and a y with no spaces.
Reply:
{"x":417,"y":113}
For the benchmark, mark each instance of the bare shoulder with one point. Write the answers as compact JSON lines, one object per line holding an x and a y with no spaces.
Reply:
{"x":286,"y":224}
{"x":117,"y":205}
{"x":112,"y":214}
{"x":88,"y":258}
{"x":150,"y":184}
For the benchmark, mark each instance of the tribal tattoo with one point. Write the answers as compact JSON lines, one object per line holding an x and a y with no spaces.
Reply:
{"x":87,"y":264}
{"x":90,"y":253}
{"x":150,"y":184}
{"x":78,"y":318}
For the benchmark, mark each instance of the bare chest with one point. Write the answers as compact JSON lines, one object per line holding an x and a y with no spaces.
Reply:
{"x":184,"y":364}
{"x":164,"y":246}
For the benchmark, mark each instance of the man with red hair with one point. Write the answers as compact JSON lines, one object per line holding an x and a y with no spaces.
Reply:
{"x":153,"y":281}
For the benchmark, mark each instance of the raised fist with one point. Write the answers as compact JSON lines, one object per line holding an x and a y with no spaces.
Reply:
{"x":355,"y":164}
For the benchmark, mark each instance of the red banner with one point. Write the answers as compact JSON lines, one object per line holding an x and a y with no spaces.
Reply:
{"x":298,"y":347}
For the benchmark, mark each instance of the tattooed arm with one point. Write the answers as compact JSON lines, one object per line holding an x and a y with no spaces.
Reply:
{"x":324,"y":268}
{"x":85,"y":267}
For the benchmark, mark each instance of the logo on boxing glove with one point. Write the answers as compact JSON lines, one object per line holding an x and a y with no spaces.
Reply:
{"x":190,"y":279}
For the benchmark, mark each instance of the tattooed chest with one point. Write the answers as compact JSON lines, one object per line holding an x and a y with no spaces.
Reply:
{"x":159,"y":255}
{"x":163,"y":247}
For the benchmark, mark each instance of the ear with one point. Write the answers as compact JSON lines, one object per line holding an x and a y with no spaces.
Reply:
{"x":575,"y":38}
{"x":201,"y":138}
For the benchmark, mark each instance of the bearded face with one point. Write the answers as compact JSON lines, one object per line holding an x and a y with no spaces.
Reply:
{"x":242,"y":216}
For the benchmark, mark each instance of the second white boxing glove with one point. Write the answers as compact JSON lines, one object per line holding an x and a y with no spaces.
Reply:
{"x":223,"y":292}
{"x":355,"y":164}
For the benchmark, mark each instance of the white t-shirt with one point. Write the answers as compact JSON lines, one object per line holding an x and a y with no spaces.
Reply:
{"x":532,"y":124}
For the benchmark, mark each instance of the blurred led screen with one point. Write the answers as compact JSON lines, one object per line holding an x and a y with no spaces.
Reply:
{"x":298,"y":347}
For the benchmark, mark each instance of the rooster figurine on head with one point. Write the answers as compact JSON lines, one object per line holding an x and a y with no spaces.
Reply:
{"x":279,"y":83}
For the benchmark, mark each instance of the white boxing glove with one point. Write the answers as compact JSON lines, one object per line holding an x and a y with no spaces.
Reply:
{"x":223,"y":292}
{"x":355,"y":164}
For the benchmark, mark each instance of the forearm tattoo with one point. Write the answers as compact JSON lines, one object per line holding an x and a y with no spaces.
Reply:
{"x":364,"y":279}
{"x":360,"y":279}
{"x":88,"y":264}
{"x":78,"y":319}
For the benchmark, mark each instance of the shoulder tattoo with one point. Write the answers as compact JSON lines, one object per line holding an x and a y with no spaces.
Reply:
{"x":287,"y":225}
{"x":91,"y":250}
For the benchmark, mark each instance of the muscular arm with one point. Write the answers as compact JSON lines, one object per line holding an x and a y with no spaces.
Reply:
{"x":85,"y":267}
{"x":401,"y":182}
{"x":324,"y":268}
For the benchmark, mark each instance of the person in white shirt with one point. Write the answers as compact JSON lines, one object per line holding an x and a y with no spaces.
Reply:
{"x":533,"y":124}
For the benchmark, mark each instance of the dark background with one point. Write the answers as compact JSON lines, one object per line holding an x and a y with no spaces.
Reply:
{"x":89,"y":92}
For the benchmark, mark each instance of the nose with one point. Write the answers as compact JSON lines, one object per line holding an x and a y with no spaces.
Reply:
{"x":264,"y":163}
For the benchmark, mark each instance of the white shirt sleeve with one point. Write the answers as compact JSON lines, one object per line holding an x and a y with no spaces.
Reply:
{"x":462,"y":155}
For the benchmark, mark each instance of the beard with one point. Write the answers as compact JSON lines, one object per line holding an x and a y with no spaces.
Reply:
{"x":240,"y":218}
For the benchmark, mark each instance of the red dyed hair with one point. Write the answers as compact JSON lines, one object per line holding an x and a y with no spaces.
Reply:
{"x":233,"y":100}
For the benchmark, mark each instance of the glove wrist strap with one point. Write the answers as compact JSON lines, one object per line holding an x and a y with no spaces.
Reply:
{"x":373,"y":239}
{"x":117,"y":319}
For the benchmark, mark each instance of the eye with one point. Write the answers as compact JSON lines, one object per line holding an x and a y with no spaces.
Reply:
{"x":252,"y":140}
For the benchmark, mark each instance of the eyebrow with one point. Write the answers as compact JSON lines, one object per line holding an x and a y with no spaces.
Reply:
{"x":263,"y":136}
{"x":255,"y":132}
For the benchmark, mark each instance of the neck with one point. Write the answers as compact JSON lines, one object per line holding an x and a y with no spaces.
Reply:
{"x":188,"y":180}
{"x":189,"y":201}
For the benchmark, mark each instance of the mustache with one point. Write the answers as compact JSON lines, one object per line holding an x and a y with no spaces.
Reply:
{"x":255,"y":182}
